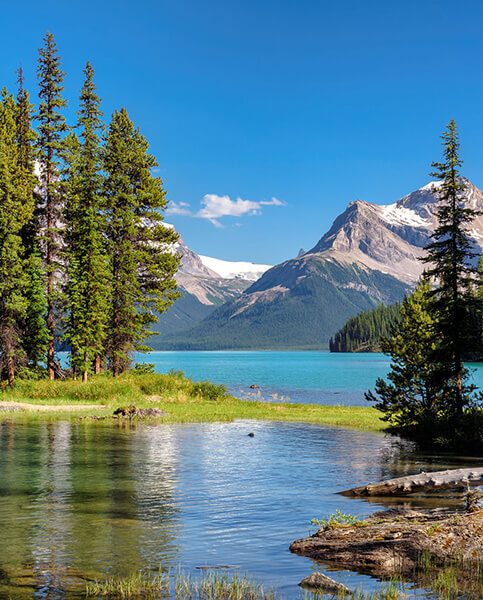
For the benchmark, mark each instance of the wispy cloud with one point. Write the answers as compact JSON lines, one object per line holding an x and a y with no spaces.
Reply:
{"x":179,"y":208}
{"x":214,"y":207}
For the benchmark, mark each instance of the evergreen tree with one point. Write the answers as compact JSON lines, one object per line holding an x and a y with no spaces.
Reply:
{"x":34,"y":330}
{"x":88,"y":275}
{"x":364,"y":332}
{"x":142,"y":267}
{"x":51,"y":129}
{"x":412,"y":398}
{"x":15,"y":211}
{"x":449,"y":255}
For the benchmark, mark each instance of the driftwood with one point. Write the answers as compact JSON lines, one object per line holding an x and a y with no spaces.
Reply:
{"x":421,"y":482}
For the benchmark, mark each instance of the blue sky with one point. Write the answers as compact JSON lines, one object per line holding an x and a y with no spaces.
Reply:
{"x":277,"y":112}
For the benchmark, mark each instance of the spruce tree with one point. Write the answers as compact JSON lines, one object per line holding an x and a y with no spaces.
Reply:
{"x":34,"y":330}
{"x":142,"y":266}
{"x":15,"y":211}
{"x":88,"y":275}
{"x":450,"y":256}
{"x":51,"y":129}
{"x":411,"y":400}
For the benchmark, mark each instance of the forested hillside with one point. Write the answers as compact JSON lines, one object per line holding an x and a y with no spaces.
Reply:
{"x":363,"y":333}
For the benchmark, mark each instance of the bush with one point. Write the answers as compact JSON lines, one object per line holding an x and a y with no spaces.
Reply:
{"x":208,"y":390}
{"x":143,"y":369}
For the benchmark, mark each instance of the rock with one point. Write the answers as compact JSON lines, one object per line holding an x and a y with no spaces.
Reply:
{"x":251,"y":434}
{"x":391,"y":543}
{"x":132,"y":411}
{"x":322,"y":583}
{"x":125,"y":411}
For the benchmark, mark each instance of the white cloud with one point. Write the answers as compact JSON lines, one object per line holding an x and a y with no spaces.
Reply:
{"x":179,"y":208}
{"x":214,"y":207}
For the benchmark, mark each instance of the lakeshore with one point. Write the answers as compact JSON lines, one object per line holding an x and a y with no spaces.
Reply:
{"x":177,"y":397}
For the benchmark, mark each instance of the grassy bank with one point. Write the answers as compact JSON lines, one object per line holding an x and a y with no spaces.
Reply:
{"x":181,"y":400}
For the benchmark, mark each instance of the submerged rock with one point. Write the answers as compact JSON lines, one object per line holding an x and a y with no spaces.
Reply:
{"x":321,"y":583}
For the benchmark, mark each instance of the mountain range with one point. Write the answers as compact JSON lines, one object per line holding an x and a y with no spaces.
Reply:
{"x":370,"y":255}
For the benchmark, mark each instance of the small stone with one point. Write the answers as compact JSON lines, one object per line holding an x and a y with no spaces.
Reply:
{"x":322,"y":583}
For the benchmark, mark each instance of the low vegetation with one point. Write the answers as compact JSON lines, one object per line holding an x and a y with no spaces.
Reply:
{"x":211,"y":586}
{"x":180,"y":399}
{"x":338,"y":519}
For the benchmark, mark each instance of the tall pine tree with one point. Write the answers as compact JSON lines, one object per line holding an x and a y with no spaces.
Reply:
{"x":16,"y":210}
{"x":51,"y":129}
{"x":449,"y":256}
{"x":142,"y":267}
{"x":34,"y":330}
{"x":88,"y":275}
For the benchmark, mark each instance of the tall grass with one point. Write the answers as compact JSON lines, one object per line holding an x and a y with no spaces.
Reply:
{"x":211,"y":586}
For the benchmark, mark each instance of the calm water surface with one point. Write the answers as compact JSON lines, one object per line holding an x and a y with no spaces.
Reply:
{"x":84,"y":500}
{"x":317,"y":377}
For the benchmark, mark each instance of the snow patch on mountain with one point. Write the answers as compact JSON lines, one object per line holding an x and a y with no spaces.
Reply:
{"x":233,"y":270}
{"x":395,"y":214}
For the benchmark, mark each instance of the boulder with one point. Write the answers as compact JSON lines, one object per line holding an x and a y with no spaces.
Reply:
{"x":321,"y":583}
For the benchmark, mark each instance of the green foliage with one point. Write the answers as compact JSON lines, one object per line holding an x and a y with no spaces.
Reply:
{"x":88,"y":284}
{"x":208,"y":390}
{"x":16,"y":209}
{"x":142,"y":268}
{"x":339,"y":519}
{"x":365,"y":331}
{"x":412,"y":396}
{"x":449,"y":257}
{"x":428,"y":395}
{"x":51,"y":129}
{"x":143,"y":369}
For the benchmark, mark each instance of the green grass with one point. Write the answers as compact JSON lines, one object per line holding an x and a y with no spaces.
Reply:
{"x":182,"y":400}
{"x":211,"y":586}
{"x":137,"y":585}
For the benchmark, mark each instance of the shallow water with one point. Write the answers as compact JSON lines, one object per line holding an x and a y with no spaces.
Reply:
{"x":79,"y":500}
{"x":313,"y":377}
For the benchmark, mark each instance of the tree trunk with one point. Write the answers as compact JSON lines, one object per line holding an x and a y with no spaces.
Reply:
{"x":97,"y":365}
{"x":421,"y":482}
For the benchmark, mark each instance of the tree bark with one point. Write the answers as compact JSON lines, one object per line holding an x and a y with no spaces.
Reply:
{"x":420,"y":482}
{"x":97,"y":365}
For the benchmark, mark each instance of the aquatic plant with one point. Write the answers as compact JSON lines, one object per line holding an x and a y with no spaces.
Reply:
{"x":137,"y":585}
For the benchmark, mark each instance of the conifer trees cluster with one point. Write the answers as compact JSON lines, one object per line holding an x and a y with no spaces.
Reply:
{"x":84,"y":254}
{"x":429,"y":393}
{"x":364,"y":332}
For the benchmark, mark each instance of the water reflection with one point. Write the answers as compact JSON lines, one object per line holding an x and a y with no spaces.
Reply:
{"x":84,"y":500}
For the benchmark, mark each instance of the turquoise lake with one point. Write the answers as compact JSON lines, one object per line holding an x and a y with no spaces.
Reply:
{"x":81,"y":501}
{"x":309,"y":377}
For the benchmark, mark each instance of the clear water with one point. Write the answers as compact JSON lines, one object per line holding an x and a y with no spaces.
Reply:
{"x":84,"y":500}
{"x":91,"y":500}
{"x":313,"y":377}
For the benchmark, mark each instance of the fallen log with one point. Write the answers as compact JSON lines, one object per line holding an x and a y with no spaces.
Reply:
{"x":421,"y":482}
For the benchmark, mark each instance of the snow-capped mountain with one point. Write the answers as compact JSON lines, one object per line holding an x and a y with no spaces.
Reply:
{"x":232,"y":270}
{"x":391,"y":238}
{"x":205,"y":283}
{"x":369,"y":255}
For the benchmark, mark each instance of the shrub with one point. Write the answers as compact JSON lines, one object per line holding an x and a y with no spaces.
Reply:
{"x":208,"y":390}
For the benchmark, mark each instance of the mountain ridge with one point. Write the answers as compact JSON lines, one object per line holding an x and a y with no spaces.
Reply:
{"x":370,"y":255}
